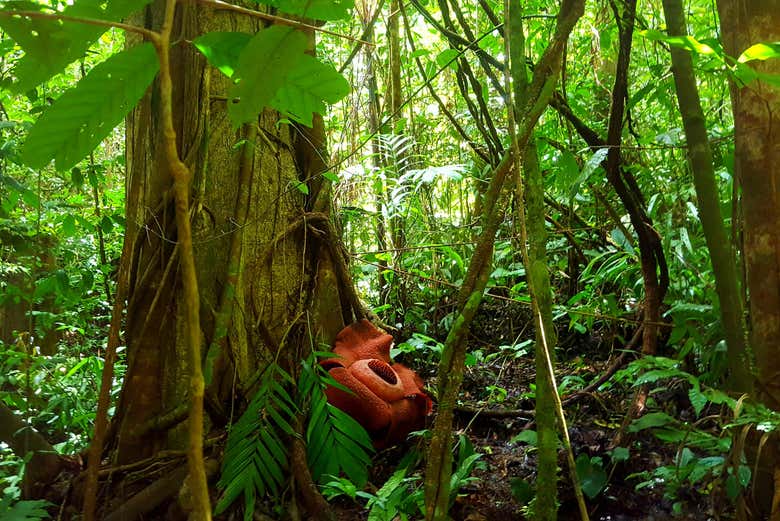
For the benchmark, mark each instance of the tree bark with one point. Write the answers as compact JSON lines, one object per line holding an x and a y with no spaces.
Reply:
{"x":756,"y":107}
{"x":44,"y":465}
{"x":251,"y":241}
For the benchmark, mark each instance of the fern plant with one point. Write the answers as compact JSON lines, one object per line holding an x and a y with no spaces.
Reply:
{"x":335,"y":442}
{"x":255,"y":460}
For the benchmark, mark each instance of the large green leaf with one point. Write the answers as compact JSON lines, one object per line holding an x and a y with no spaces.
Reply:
{"x":222,"y":49}
{"x":308,"y":86}
{"x":653,"y":419}
{"x":80,"y":119}
{"x":262,"y":69}
{"x":49,"y":44}
{"x":592,"y":476}
{"x":683,"y":42}
{"x":255,"y":456}
{"x":760,"y":51}
{"x":319,"y":9}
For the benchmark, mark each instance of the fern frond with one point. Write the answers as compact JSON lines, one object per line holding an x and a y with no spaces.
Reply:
{"x":255,"y":461}
{"x":335,"y":442}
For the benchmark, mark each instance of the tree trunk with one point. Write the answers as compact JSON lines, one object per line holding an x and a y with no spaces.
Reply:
{"x":43,"y":465}
{"x":723,"y":262}
{"x":280,"y":278}
{"x":531,"y":185}
{"x":756,"y":107}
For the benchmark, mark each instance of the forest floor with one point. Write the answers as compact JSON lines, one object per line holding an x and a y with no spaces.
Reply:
{"x":496,"y":405}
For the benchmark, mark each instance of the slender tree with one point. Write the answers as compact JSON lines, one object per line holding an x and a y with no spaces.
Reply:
{"x":700,"y":156}
{"x":530,"y":197}
{"x":439,"y":464}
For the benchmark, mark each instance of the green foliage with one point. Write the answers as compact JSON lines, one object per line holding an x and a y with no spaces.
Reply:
{"x":688,"y":473}
{"x":255,"y":462}
{"x":255,"y":458}
{"x":705,"y":457}
{"x":522,"y":491}
{"x":401,"y":496}
{"x":309,"y":85}
{"x":335,"y":442}
{"x":82,"y":117}
{"x":222,"y":49}
{"x":591,"y":473}
{"x":23,"y":510}
{"x":525,"y":436}
{"x":51,"y":44}
{"x":319,"y":9}
{"x":58,"y":394}
{"x":422,"y":346}
{"x":274,"y":72}
{"x":262,"y":69}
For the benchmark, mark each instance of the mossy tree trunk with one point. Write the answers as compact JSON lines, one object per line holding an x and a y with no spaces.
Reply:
{"x":530,"y":193}
{"x":700,"y":155}
{"x":281,"y":277}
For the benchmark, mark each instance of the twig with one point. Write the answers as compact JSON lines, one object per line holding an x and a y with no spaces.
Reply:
{"x":224,"y":6}
{"x":151,"y":35}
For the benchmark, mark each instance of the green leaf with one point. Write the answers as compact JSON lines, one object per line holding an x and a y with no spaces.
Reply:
{"x":657,"y":374}
{"x":732,"y":488}
{"x":82,"y":117}
{"x":262,"y":69}
{"x":522,"y":491}
{"x":69,"y":225}
{"x":318,"y":9}
{"x":50,"y":44}
{"x":301,"y":187}
{"x":683,"y":42}
{"x":527,"y":436}
{"x":76,"y":177}
{"x":447,"y":57}
{"x":697,"y":398}
{"x":743,"y":474}
{"x":619,"y":454}
{"x":222,"y":49}
{"x":106,"y":224}
{"x":23,"y":510}
{"x":309,"y":84}
{"x":592,"y":476}
{"x":760,"y":51}
{"x":653,"y":419}
{"x":63,"y":281}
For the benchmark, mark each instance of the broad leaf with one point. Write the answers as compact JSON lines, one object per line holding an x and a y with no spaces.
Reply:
{"x":683,"y":42}
{"x":760,"y":51}
{"x":318,"y":9}
{"x":82,"y":117}
{"x":50,"y":44}
{"x":308,"y":86}
{"x":262,"y":69}
{"x":222,"y":49}
{"x":592,"y":476}
{"x":23,"y":510}
{"x":653,"y":419}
